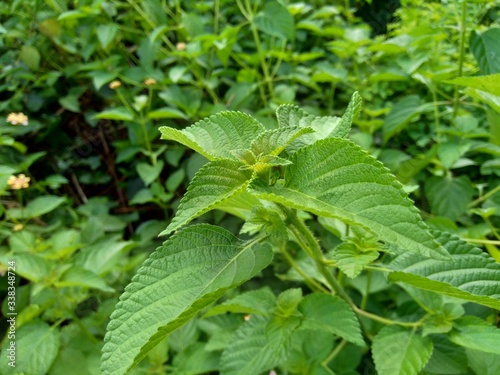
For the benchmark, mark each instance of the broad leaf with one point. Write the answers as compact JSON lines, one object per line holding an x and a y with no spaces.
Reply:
{"x":215,"y":136}
{"x":489,"y":83}
{"x":449,"y":196}
{"x":336,"y":178}
{"x":471,"y":274}
{"x":213,"y":184}
{"x":474,"y":333}
{"x":159,"y":300}
{"x":447,"y":358}
{"x":261,"y":301}
{"x":275,"y":20}
{"x":148,"y":173}
{"x":37,"y":345}
{"x":483,"y":363}
{"x":325,"y":312}
{"x":486,"y":50}
{"x":401,"y":114}
{"x":258,"y":345}
{"x":400,"y":351}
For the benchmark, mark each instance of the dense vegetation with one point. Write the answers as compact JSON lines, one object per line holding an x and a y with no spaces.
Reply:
{"x":297,"y":271}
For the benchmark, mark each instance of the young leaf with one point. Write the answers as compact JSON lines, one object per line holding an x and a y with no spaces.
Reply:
{"x":397,"y":351}
{"x":215,"y":136}
{"x":159,"y":299}
{"x":324,"y":127}
{"x":449,"y":196}
{"x":336,"y":178}
{"x":214,"y":183}
{"x":474,"y":333}
{"x":275,"y":20}
{"x":351,"y":113}
{"x":261,"y":301}
{"x":352,"y":261}
{"x":489,"y":83}
{"x":485,"y":49}
{"x":471,"y":274}
{"x":325,"y":312}
{"x":273,"y":142}
{"x":401,"y":114}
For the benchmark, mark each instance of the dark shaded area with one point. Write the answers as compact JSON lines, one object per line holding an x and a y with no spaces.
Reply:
{"x":378,"y":14}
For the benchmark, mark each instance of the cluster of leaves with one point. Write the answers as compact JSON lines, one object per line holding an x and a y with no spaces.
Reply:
{"x":96,"y":80}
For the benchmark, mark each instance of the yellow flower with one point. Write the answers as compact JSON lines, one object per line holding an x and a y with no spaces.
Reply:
{"x":247,"y":318}
{"x":19,"y":182}
{"x":150,"y":82}
{"x":18,"y":227}
{"x":114,"y":85}
{"x":17,"y":118}
{"x":181,"y":46}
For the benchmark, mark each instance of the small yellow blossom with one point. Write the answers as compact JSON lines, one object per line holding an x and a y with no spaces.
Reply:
{"x":247,"y":318}
{"x":17,"y":118}
{"x":114,"y":85}
{"x":181,"y":46}
{"x":18,"y":227}
{"x":19,"y":182}
{"x":150,"y":82}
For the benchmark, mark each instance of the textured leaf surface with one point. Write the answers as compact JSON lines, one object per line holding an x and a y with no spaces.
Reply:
{"x":325,"y":312}
{"x":483,"y":363}
{"x":327,"y":126}
{"x":215,"y":136}
{"x":401,"y":114}
{"x":489,"y":83}
{"x":399,"y":351}
{"x":474,"y":333}
{"x":273,"y":142}
{"x":471,"y":274}
{"x":351,"y":113}
{"x":37,"y":346}
{"x":160,"y":298}
{"x":352,"y":261}
{"x":449,"y":196}
{"x":213,"y":184}
{"x":336,"y":178}
{"x":258,"y":345}
{"x":261,"y":301}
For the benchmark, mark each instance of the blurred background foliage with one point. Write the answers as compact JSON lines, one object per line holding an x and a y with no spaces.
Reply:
{"x":95,"y":79}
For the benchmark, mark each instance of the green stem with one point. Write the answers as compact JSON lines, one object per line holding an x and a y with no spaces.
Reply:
{"x":383,"y":320}
{"x":474,"y":240}
{"x":334,"y":353}
{"x":311,"y":283}
{"x":484,"y":197}
{"x":364,"y":299}
{"x":463,"y":29}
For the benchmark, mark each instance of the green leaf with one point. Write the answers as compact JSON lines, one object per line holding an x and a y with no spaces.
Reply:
{"x":400,"y":351}
{"x":100,"y":78}
{"x":120,"y":113}
{"x":37,"y":345}
{"x":449,"y":196}
{"x":351,"y":114}
{"x":215,"y":136}
{"x":273,"y":142}
{"x":401,"y":114}
{"x":77,"y":276}
{"x":42,"y":205}
{"x":486,"y":50}
{"x":324,"y":126}
{"x":261,"y":301}
{"x":34,"y":267}
{"x":275,"y":20}
{"x":489,"y":83}
{"x":106,"y":34}
{"x":30,"y":56}
{"x":325,"y":312}
{"x":447,"y":358}
{"x":351,"y":260}
{"x":483,"y":363}
{"x":148,"y":173}
{"x":336,"y":178}
{"x":474,"y":333}
{"x":166,"y":112}
{"x":470,"y":274}
{"x":257,"y":346}
{"x":215,"y":182}
{"x":191,"y":270}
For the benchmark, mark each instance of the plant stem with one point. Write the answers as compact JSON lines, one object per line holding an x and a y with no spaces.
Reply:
{"x":463,"y":29}
{"x":334,"y":353}
{"x":474,"y":240}
{"x":383,"y":320}
{"x":484,"y":197}
{"x":364,"y":299}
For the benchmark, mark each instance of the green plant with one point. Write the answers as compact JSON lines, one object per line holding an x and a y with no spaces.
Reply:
{"x":275,"y":179}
